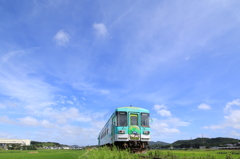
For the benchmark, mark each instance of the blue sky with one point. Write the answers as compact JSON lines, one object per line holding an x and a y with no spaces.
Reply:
{"x":65,"y":66}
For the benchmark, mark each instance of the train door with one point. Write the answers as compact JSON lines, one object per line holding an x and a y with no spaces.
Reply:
{"x":134,"y":130}
{"x":98,"y":140}
{"x":113,"y":130}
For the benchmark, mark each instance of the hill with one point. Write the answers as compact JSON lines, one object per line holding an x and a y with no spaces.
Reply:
{"x":209,"y":142}
{"x":46,"y":144}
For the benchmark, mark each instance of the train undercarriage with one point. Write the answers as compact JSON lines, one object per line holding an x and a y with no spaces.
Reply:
{"x":133,"y":146}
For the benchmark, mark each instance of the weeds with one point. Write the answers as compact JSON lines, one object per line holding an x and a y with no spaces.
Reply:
{"x":115,"y":153}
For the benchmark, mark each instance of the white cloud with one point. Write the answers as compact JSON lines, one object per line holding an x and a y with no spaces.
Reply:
{"x":70,"y":102}
{"x":158,"y":107}
{"x":74,"y":98}
{"x":168,"y":126}
{"x":47,"y":124}
{"x":172,"y":130}
{"x":45,"y":104}
{"x":6,"y":120}
{"x":53,"y":132}
{"x":28,"y":121}
{"x":232,"y":103}
{"x":30,"y":92}
{"x":6,"y":57}
{"x":98,"y":124}
{"x":214,"y":127}
{"x":100,"y":28}
{"x":177,"y":122}
{"x":164,"y":112}
{"x":89,"y":87}
{"x":72,"y":114}
{"x":103,"y":91}
{"x":61,"y":38}
{"x":232,"y":120}
{"x":162,"y":127}
{"x":204,"y":106}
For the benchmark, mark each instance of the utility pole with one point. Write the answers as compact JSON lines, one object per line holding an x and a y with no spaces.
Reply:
{"x":202,"y":140}
{"x":191,"y":143}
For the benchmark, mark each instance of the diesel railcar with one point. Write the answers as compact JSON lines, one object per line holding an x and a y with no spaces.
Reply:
{"x":128,"y":127}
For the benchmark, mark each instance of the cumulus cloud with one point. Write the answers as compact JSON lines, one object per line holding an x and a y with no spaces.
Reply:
{"x":100,"y":29}
{"x":204,"y":106}
{"x":232,"y":119}
{"x":29,"y":121}
{"x":162,"y":110}
{"x":53,"y":131}
{"x":229,"y":105}
{"x":70,"y":102}
{"x":157,"y":107}
{"x":163,"y":127}
{"x":74,"y":98}
{"x":61,"y":38}
{"x":6,"y":120}
{"x":168,"y":126}
{"x":72,"y":133}
{"x":71,"y":114}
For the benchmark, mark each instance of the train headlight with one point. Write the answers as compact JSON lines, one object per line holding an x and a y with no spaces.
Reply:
{"x":146,"y":132}
{"x":121,"y":131}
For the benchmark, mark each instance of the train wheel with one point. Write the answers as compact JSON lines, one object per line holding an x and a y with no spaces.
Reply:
{"x":125,"y":145}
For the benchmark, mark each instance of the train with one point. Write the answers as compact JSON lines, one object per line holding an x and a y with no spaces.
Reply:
{"x":127,"y":128}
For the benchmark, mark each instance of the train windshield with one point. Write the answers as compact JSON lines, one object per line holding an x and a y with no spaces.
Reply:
{"x":122,"y":118}
{"x":134,"y":119}
{"x":145,"y":119}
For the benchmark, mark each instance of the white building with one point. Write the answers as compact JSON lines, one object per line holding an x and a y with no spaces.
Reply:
{"x":23,"y":142}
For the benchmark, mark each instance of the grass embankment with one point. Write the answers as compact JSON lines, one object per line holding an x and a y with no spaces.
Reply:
{"x":195,"y":154}
{"x":106,"y":153}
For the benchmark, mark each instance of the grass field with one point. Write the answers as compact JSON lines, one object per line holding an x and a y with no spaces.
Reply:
{"x":196,"y":154}
{"x":106,"y":153}
{"x":42,"y":154}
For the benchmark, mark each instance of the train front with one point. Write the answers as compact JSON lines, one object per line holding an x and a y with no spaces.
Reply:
{"x":132,"y":129}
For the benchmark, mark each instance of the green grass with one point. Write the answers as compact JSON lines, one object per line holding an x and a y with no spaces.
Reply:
{"x":106,"y":153}
{"x":41,"y":154}
{"x":195,"y":154}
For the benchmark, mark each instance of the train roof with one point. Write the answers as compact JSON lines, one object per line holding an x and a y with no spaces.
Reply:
{"x":134,"y":109}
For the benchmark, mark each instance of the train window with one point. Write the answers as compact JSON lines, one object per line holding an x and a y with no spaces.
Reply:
{"x":145,"y":119}
{"x":122,"y":118}
{"x":134,"y":119}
